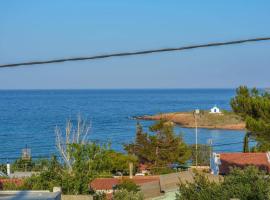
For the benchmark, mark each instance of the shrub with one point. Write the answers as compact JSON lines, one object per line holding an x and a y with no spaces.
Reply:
{"x":127,"y":195}
{"x":246,"y":184}
{"x":128,"y":185}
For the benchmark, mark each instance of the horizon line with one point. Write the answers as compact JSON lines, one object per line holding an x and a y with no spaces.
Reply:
{"x":172,"y":88}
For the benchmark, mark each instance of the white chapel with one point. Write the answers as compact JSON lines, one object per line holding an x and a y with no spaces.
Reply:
{"x":215,"y":110}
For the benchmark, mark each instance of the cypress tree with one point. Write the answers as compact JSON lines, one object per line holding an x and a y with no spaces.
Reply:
{"x":246,"y":146}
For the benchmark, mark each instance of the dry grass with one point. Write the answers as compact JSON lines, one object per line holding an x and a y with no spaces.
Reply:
{"x":226,"y":120}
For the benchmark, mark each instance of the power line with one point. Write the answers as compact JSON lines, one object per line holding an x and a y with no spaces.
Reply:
{"x":104,"y":141}
{"x":228,"y":144}
{"x":234,"y":42}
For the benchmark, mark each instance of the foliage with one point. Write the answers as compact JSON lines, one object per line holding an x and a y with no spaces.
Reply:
{"x":119,"y":162}
{"x":128,"y":185}
{"x":162,"y":170}
{"x":89,"y":161}
{"x":254,"y":107}
{"x":203,"y":157}
{"x":127,"y":195}
{"x":246,"y":184}
{"x":3,"y":168}
{"x":246,"y":143}
{"x":47,"y":179}
{"x":160,"y":148}
{"x":9,"y":186}
{"x":22,"y":165}
{"x":99,"y":196}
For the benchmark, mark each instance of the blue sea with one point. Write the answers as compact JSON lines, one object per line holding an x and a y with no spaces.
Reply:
{"x":29,"y":117}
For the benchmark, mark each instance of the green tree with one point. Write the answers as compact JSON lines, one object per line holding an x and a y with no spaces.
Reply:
{"x":246,"y":143}
{"x":142,"y":147}
{"x":254,"y":107}
{"x":247,"y":184}
{"x":47,"y":179}
{"x":119,"y":162}
{"x":161,"y":147}
{"x":90,"y":161}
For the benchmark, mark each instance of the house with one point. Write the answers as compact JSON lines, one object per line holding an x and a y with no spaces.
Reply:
{"x":150,"y":185}
{"x":222,"y":162}
{"x":104,"y":185}
{"x":215,"y":110}
{"x":169,"y":183}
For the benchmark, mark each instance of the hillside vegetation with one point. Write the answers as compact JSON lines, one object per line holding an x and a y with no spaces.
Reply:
{"x":225,"y":120}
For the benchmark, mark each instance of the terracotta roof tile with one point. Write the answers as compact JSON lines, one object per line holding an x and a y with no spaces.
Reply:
{"x":104,"y":183}
{"x":241,"y":160}
{"x":109,"y":183}
{"x":139,"y":180}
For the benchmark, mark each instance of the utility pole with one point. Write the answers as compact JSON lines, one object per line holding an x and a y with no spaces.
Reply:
{"x":197,"y":112}
{"x":210,"y":142}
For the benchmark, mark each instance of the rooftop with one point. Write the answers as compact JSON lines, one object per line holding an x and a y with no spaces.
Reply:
{"x":108,"y":183}
{"x":260,"y":160}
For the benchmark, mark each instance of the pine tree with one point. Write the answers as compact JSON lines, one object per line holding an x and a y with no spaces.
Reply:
{"x":254,"y":106}
{"x":161,"y":148}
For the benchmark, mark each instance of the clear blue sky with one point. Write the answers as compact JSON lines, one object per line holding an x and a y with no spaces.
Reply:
{"x":39,"y":30}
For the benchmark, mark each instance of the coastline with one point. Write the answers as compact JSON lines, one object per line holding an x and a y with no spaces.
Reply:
{"x":224,"y":121}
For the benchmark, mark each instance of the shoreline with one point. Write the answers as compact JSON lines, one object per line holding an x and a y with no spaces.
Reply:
{"x":224,"y":121}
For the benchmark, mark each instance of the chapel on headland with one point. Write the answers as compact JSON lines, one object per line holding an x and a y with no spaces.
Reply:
{"x":215,"y":110}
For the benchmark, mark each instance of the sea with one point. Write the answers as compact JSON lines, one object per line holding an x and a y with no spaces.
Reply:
{"x":28,"y":117}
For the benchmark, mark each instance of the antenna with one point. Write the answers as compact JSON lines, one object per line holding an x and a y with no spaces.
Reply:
{"x":26,"y":153}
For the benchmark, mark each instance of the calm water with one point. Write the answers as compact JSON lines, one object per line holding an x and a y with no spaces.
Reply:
{"x":29,"y":117}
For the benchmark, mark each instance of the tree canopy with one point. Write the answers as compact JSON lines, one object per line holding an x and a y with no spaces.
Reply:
{"x":254,"y":107}
{"x":161,"y":147}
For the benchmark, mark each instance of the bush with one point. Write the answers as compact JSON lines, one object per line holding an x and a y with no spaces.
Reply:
{"x":247,"y":184}
{"x":128,"y":185}
{"x":126,"y":195}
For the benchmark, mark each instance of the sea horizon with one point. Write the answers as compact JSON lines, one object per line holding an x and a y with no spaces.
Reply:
{"x":29,"y":117}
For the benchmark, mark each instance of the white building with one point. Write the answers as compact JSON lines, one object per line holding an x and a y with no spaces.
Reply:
{"x":215,"y":110}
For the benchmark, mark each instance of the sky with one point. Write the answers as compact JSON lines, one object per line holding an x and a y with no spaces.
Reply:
{"x":40,"y":30}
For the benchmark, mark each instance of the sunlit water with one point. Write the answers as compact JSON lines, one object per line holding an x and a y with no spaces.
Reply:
{"x":29,"y":117}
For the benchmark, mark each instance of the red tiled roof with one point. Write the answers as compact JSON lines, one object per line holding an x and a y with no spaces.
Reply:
{"x":139,"y":180}
{"x":104,"y":183}
{"x":108,"y":183}
{"x":242,"y":160}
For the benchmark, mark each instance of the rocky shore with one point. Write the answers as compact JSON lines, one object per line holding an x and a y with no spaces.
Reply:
{"x":227,"y":121}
